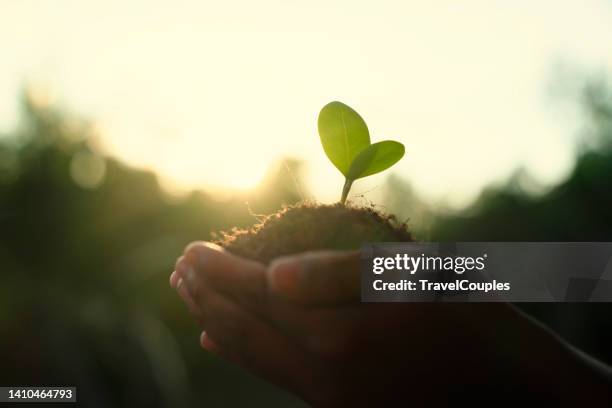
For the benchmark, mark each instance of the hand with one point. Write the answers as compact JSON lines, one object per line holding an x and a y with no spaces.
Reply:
{"x":299,"y":324}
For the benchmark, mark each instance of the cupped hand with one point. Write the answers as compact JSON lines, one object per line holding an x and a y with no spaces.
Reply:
{"x":299,"y":323}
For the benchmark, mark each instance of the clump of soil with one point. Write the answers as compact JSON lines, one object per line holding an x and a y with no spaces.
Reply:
{"x":307,"y":227}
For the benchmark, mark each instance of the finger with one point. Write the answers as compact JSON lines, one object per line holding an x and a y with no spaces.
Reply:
{"x":239,"y":278}
{"x":177,"y":281}
{"x":180,"y":268}
{"x":188,"y":300}
{"x":244,"y":282}
{"x":173,"y":279}
{"x":175,"y":275}
{"x":208,"y":344}
{"x":225,"y":276}
{"x":319,"y":278}
{"x":248,"y":341}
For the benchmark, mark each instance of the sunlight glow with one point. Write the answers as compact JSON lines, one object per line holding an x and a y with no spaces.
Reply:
{"x":212,"y":93}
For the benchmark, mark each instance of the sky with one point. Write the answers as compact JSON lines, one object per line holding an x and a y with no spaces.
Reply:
{"x":210,"y":94}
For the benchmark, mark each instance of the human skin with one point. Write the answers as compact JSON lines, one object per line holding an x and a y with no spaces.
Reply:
{"x":299,"y":324}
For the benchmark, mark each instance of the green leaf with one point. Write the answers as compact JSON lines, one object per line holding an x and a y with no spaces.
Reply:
{"x":375,"y":158}
{"x":343,"y":134}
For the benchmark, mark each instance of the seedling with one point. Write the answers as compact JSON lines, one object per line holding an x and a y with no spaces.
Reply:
{"x":346,"y":141}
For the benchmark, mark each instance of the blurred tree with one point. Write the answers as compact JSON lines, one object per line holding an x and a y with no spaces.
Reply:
{"x":86,"y":246}
{"x":578,"y":209}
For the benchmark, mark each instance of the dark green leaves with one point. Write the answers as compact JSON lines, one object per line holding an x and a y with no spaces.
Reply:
{"x":346,"y":141}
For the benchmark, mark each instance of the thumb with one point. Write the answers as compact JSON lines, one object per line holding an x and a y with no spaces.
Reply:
{"x":318,"y":278}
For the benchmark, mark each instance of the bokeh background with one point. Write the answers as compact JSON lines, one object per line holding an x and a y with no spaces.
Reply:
{"x":128,"y":130}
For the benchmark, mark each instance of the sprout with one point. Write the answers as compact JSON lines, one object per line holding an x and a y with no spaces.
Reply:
{"x":346,"y":141}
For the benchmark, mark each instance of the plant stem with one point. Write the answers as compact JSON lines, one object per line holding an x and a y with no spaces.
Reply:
{"x":345,"y":190}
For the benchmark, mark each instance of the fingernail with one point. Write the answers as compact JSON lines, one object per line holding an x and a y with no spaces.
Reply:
{"x":180,"y":268}
{"x":190,"y":275}
{"x":207,"y":343}
{"x":179,"y":283}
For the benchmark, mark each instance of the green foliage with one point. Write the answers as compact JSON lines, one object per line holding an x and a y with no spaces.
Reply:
{"x":346,"y":142}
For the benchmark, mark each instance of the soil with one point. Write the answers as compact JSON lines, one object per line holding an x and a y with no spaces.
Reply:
{"x":309,"y":226}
